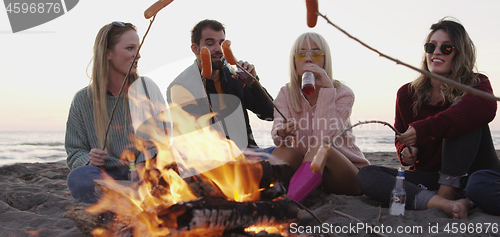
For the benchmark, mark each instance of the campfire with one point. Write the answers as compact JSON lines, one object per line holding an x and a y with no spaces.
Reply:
{"x":200,"y":184}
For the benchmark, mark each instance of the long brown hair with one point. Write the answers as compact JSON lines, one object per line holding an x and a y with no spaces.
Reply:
{"x":463,"y":68}
{"x":108,"y":36}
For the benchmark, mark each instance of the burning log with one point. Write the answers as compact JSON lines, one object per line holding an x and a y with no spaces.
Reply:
{"x":274,"y":171}
{"x":201,"y":188}
{"x":279,"y":171}
{"x":221,"y":214}
{"x":275,"y":175}
{"x":126,"y":210}
{"x":214,"y":214}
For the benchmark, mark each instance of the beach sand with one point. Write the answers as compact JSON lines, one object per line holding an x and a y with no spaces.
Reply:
{"x":33,"y":197}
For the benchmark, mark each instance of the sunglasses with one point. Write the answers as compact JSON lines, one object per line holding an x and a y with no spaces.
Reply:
{"x":316,"y":55}
{"x":446,"y":49}
{"x":118,"y":23}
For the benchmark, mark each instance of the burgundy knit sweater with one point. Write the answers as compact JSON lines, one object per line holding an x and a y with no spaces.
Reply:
{"x":435,"y":122}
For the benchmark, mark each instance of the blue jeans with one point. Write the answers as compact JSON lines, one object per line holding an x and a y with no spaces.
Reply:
{"x":264,"y":152}
{"x":462,"y":155}
{"x":483,"y":189}
{"x":81,"y":182}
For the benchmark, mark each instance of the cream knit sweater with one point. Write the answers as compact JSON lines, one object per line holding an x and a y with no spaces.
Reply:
{"x":80,"y":133}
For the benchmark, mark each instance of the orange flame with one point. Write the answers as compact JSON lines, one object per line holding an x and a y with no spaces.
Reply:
{"x":201,"y":151}
{"x":269,"y":229}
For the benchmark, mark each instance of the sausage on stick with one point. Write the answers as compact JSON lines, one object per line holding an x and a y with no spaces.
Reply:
{"x":156,"y":7}
{"x":206,"y":62}
{"x":229,"y":56}
{"x":319,"y":159}
{"x":228,"y":53}
{"x":312,"y":8}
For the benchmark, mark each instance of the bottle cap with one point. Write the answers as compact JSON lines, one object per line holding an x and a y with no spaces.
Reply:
{"x":401,"y":171}
{"x":231,"y":68}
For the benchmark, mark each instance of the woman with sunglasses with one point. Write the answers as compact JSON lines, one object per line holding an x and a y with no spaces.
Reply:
{"x":315,"y":119}
{"x":115,"y":49}
{"x":446,"y":135}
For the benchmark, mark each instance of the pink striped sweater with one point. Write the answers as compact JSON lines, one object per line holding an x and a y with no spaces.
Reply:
{"x":321,"y":122}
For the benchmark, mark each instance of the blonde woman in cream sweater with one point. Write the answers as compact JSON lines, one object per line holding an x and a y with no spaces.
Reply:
{"x":314,"y":120}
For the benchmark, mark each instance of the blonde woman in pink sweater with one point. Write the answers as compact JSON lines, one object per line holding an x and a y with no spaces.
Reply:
{"x":314,"y":120}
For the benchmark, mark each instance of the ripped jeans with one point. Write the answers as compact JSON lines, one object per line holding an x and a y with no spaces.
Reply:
{"x":462,"y":155}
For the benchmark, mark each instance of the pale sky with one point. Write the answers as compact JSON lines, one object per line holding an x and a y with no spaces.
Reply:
{"x":42,"y":68}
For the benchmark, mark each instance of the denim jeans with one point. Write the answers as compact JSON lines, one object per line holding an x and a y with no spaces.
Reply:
{"x":461,"y":156}
{"x":81,"y":182}
{"x":260,"y":152}
{"x":483,"y":189}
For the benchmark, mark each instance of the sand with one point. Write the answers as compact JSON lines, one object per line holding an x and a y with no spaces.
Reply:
{"x":33,"y":197}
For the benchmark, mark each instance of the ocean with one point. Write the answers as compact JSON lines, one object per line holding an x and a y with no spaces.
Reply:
{"x":33,"y":147}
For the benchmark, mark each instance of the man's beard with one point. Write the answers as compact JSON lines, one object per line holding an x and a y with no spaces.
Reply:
{"x":217,"y":65}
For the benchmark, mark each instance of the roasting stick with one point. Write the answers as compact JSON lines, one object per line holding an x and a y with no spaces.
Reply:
{"x":366,"y":122}
{"x":123,"y":85}
{"x":262,"y":89}
{"x":229,"y":56}
{"x":319,"y":160}
{"x":427,"y":73}
{"x":334,"y":211}
{"x":150,"y":12}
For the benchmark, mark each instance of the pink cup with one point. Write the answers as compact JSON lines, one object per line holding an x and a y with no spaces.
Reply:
{"x":303,"y":182}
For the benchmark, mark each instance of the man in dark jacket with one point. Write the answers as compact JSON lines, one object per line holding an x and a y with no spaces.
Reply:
{"x":221,"y":93}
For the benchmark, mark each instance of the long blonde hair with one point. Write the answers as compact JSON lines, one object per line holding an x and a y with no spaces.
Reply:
{"x":463,"y":68}
{"x":108,"y":36}
{"x":295,"y":82}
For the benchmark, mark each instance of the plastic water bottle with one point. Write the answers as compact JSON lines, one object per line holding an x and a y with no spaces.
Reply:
{"x":308,"y":83}
{"x":133,"y":175}
{"x":398,"y":195}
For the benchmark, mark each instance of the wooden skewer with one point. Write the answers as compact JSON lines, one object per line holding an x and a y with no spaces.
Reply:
{"x":366,"y":122}
{"x":427,"y":73}
{"x":125,"y":81}
{"x":262,"y":89}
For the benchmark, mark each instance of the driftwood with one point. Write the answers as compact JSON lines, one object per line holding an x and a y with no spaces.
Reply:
{"x":84,"y":221}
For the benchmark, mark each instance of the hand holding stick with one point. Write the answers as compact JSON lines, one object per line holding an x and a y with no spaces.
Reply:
{"x":366,"y":122}
{"x":231,"y":59}
{"x":261,"y":88}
